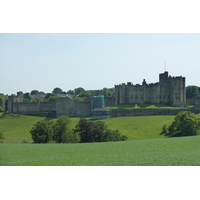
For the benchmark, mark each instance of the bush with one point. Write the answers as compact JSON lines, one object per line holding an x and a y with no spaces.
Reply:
{"x":61,"y":133}
{"x":185,"y":124}
{"x":97,"y":132}
{"x":54,"y":132}
{"x":42,"y":132}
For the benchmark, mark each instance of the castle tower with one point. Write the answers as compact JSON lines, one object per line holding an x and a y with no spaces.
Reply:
{"x":169,"y":90}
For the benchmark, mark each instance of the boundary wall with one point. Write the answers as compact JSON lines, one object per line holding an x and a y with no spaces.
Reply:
{"x":106,"y":113}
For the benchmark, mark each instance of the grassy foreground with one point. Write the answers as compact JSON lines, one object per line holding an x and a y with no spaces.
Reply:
{"x":183,"y":151}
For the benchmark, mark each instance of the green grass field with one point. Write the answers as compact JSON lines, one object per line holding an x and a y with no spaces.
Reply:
{"x":183,"y":151}
{"x":145,"y":145}
{"x":16,"y":127}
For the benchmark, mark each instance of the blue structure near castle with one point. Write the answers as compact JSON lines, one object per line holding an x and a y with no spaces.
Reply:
{"x":98,"y":102}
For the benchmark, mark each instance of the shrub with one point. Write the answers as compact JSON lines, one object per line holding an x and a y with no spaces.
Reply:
{"x":96,"y":132}
{"x":61,"y":133}
{"x":54,"y":132}
{"x":42,"y":132}
{"x":185,"y":124}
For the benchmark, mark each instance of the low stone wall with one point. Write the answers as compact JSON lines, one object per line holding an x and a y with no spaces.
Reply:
{"x":99,"y":114}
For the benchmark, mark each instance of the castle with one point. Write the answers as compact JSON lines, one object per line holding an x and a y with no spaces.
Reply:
{"x":169,"y":90}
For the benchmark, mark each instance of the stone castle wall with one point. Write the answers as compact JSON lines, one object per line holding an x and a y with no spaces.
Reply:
{"x":70,"y":108}
{"x":63,"y":106}
{"x":106,"y":113}
{"x":169,"y":90}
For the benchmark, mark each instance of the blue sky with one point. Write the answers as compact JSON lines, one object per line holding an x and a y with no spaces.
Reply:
{"x":94,"y":61}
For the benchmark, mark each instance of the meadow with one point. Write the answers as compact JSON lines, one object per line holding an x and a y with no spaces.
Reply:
{"x":145,"y":145}
{"x":183,"y":151}
{"x":16,"y":127}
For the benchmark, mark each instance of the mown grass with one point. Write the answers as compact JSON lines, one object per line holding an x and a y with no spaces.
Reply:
{"x":145,"y":106}
{"x":183,"y":151}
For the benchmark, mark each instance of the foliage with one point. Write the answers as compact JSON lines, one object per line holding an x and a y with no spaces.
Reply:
{"x":192,"y":91}
{"x":37,"y":100}
{"x":1,"y":109}
{"x":42,"y":132}
{"x":57,"y":90}
{"x":34,"y":92}
{"x":52,"y":98}
{"x":185,"y":124}
{"x":26,"y":100}
{"x":70,"y":92}
{"x":60,"y":129}
{"x":75,"y":98}
{"x":108,"y":92}
{"x":57,"y":131}
{"x":84,"y":94}
{"x":77,"y":91}
{"x":27,"y":96}
{"x":1,"y":137}
{"x":90,"y":131}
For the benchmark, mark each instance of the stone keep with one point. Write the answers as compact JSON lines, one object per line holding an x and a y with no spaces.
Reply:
{"x":169,"y":90}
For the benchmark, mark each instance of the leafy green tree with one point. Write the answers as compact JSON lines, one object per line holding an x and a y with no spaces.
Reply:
{"x":34,"y":92}
{"x":77,"y":91}
{"x":185,"y":124}
{"x":27,"y":96}
{"x":57,"y":90}
{"x":61,"y":129}
{"x":84,"y":94}
{"x":51,"y":97}
{"x":90,"y":131}
{"x":42,"y":132}
{"x":107,"y":92}
{"x":75,"y":98}
{"x":37,"y":100}
{"x":192,"y":91}
{"x":70,"y":92}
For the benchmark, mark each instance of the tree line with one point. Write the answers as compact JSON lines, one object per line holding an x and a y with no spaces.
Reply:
{"x":58,"y":131}
{"x":78,"y":94}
